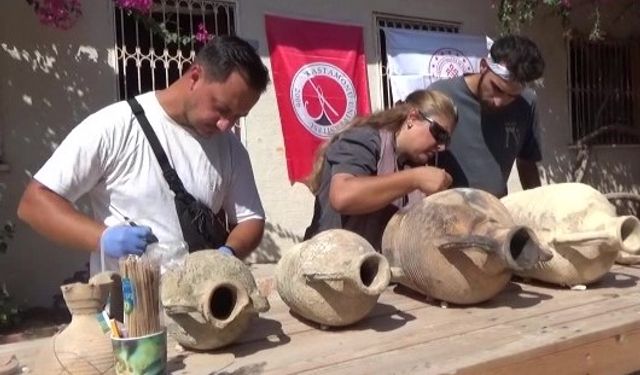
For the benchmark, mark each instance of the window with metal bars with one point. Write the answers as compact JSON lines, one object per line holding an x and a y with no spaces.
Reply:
{"x":604,"y":91}
{"x":399,"y":22}
{"x":146,"y":61}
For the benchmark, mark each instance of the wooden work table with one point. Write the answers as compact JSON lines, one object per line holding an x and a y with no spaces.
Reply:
{"x":527,"y":329}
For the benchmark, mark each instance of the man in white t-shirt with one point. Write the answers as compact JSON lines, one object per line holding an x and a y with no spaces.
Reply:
{"x":108,"y":157}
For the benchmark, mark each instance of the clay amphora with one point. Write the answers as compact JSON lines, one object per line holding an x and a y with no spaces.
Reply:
{"x":458,"y":246}
{"x":581,"y":227}
{"x":82,"y":348}
{"x":334,"y":278}
{"x":210,"y":301}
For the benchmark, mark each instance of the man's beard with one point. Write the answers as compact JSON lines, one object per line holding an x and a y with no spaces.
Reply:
{"x":485,"y":105}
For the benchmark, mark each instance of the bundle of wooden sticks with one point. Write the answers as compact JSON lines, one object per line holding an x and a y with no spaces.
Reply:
{"x":141,"y":294}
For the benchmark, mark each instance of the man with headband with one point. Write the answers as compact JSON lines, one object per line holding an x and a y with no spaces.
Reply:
{"x":497,"y":123}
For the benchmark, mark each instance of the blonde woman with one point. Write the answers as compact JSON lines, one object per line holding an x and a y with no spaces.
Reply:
{"x":365,"y":173}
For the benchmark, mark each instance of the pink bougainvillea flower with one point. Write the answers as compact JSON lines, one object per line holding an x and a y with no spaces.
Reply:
{"x":203,"y":35}
{"x":58,"y":13}
{"x":142,"y":6}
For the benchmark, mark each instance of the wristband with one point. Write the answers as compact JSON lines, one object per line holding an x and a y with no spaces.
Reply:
{"x":227,"y":250}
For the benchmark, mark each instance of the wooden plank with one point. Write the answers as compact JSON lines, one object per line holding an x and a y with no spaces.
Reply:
{"x":26,"y":351}
{"x":508,"y":300}
{"x":311,"y":349}
{"x":483,"y":349}
{"x":279,"y":321}
{"x":560,"y":337}
{"x":615,"y":354}
{"x":524,"y":324}
{"x":390,"y":302}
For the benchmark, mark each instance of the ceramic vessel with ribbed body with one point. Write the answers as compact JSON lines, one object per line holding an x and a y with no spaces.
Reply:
{"x":458,"y":246}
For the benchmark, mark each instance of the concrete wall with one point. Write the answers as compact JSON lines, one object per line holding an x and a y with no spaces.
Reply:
{"x":610,"y":168}
{"x":289,"y":208}
{"x":50,"y":80}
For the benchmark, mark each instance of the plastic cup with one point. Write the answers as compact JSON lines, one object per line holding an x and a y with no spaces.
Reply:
{"x":141,"y":355}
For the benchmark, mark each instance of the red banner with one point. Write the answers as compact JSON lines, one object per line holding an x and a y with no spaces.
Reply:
{"x":320,"y":77}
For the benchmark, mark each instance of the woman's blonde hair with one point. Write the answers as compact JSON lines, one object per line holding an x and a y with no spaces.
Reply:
{"x":429,"y":101}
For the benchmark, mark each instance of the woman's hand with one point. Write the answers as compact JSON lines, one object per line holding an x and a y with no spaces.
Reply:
{"x":430,"y":180}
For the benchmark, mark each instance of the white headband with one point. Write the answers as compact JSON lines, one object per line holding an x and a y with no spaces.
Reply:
{"x":499,"y":69}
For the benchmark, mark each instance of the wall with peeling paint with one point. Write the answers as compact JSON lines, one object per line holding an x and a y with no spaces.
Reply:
{"x":52,"y":79}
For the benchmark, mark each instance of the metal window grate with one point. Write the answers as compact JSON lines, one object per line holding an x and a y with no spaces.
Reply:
{"x":604,"y":91}
{"x":398,"y":22}
{"x":145,"y":61}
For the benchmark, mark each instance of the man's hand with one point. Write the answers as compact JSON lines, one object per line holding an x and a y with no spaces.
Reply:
{"x":121,"y":240}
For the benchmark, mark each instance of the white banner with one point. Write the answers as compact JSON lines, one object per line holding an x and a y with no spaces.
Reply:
{"x":418,"y":58}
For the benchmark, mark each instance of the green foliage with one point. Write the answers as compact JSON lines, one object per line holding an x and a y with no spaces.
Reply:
{"x":9,"y":312}
{"x":6,"y":234}
{"x":513,"y":14}
{"x":164,"y":29}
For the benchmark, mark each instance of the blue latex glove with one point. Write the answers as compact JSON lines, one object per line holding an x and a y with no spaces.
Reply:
{"x":121,"y":240}
{"x":227,"y":250}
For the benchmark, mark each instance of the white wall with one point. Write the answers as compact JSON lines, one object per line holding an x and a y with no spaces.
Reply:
{"x":289,"y":208}
{"x":47,"y":86}
{"x":50,"y":80}
{"x":610,"y":168}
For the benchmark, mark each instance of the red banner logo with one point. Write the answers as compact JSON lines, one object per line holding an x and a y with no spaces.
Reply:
{"x":320,"y":78}
{"x":323,"y":98}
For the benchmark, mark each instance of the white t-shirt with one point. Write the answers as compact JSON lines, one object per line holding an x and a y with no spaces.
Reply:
{"x":108,"y":157}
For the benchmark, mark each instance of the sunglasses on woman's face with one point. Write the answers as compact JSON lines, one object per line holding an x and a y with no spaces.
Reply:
{"x":439,"y":133}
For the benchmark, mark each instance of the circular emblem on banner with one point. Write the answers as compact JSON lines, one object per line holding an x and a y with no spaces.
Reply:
{"x":324,"y":98}
{"x":448,"y":63}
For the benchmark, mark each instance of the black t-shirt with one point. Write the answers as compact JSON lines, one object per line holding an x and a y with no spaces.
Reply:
{"x":485,"y":144}
{"x":357,"y":152}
